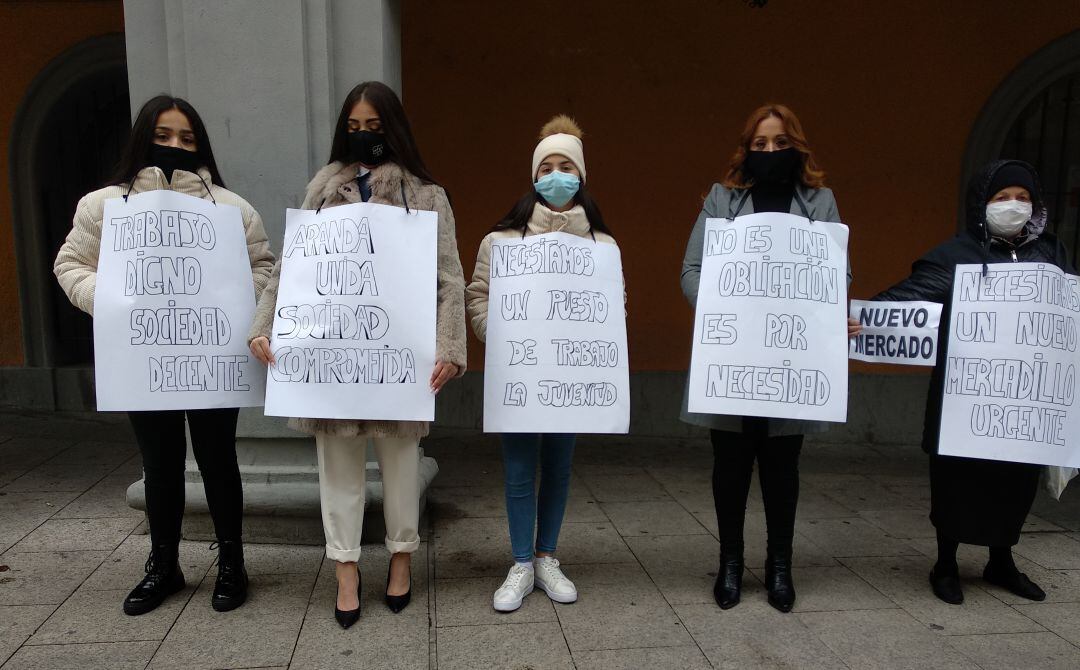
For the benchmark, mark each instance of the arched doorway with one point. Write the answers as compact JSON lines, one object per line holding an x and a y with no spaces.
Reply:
{"x":66,"y":138}
{"x":1034,"y":115}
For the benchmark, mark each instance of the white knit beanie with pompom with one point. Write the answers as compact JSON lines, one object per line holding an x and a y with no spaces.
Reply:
{"x":561,"y":135}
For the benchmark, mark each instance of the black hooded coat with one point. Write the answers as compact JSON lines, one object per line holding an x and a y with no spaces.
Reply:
{"x":973,"y":500}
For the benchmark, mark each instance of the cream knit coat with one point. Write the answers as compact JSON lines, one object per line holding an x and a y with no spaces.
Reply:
{"x":334,"y":185}
{"x":543,"y":220}
{"x":76,"y":263}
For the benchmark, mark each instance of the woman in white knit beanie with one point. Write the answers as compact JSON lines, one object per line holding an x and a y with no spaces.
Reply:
{"x":557,"y":202}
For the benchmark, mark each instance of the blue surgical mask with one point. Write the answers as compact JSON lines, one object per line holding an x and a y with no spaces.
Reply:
{"x":557,"y":188}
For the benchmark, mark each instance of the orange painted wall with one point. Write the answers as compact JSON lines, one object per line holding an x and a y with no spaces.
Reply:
{"x":887,"y":93}
{"x":32,"y":34}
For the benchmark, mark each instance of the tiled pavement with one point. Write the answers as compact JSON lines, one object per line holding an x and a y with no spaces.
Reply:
{"x":639,"y":541}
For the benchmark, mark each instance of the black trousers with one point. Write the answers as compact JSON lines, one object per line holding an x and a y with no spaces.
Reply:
{"x":733,"y":466}
{"x":161,"y":439}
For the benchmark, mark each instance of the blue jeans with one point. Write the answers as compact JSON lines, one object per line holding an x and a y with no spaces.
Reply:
{"x":520,"y":453}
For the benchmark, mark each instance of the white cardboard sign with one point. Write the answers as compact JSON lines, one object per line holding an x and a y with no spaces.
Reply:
{"x":173,"y":303}
{"x":556,"y":359}
{"x":354,"y":324}
{"x":1010,"y":376}
{"x":770,"y":333}
{"x":902,"y":332}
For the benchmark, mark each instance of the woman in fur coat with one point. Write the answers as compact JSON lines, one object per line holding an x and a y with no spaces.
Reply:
{"x":557,"y":202}
{"x":374,"y":159}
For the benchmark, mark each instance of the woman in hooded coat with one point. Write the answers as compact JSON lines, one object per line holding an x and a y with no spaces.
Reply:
{"x":977,"y":501}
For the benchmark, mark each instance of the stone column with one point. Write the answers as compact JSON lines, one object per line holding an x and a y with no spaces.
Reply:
{"x":267,"y":77}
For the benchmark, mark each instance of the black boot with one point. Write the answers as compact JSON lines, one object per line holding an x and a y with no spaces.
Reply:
{"x":728,"y":587}
{"x":163,"y":578}
{"x":945,"y":583}
{"x":230,"y":588}
{"x":1012,"y":580}
{"x":778,"y":580}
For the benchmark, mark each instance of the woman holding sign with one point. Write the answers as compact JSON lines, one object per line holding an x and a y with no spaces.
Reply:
{"x":772,"y":170}
{"x":557,"y":202}
{"x":374,"y":158}
{"x":169,"y":149}
{"x":976,"y":501}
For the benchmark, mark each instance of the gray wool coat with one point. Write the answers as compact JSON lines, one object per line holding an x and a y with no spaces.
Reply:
{"x":723,"y":203}
{"x":390,"y":185}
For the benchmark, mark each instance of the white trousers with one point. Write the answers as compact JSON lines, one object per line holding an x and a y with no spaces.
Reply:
{"x":342,"y":480}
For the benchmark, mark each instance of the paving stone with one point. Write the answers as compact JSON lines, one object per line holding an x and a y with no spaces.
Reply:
{"x":98,"y":616}
{"x":384,"y":643}
{"x":855,"y":492}
{"x":468,"y":602}
{"x":22,"y":512}
{"x":18,"y":622}
{"x":904,"y":579}
{"x":618,"y":607}
{"x":60,"y":475}
{"x":754,"y":635}
{"x":261,"y":633}
{"x":534,"y":645}
{"x":1055,"y":551}
{"x":1037,"y":524}
{"x":832,"y":588}
{"x":374,"y":560}
{"x":690,"y":487}
{"x":883,"y":639}
{"x":107,"y":498}
{"x":78,"y":535}
{"x":112,"y":655}
{"x":1044,"y":651}
{"x":471,"y":548}
{"x":454,"y":502}
{"x":270,"y":559}
{"x":815,"y":504}
{"x":1061,"y":618}
{"x":125,"y":566}
{"x":46,"y":578}
{"x":625,"y":488}
{"x":99,"y":453}
{"x":903,"y":524}
{"x":683,"y":568}
{"x":685,"y":658}
{"x":583,"y":508}
{"x":652,"y":518}
{"x":852,"y":537}
{"x":22,"y":454}
{"x":590,"y":542}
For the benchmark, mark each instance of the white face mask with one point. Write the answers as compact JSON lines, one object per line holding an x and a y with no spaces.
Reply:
{"x":1007,"y":218}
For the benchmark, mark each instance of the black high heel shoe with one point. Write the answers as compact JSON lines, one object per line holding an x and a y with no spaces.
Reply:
{"x":728,"y":587}
{"x":347,"y":618}
{"x":778,"y":581}
{"x":398,"y":603}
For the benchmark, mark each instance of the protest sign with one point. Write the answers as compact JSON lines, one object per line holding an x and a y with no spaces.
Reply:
{"x":556,"y":337}
{"x":354,"y":324}
{"x":904,"y":333}
{"x":1010,"y":375}
{"x":172,"y":305}
{"x":770,"y":324}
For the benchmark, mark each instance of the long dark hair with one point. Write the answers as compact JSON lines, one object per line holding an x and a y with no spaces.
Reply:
{"x":395,"y":126}
{"x":136,"y":155}
{"x":518,"y":216}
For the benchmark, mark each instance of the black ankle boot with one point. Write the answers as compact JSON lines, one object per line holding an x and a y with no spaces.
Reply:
{"x":778,"y":580}
{"x":728,"y":587}
{"x":945,"y":582}
{"x":1011,"y":579}
{"x":163,"y":578}
{"x":230,"y":589}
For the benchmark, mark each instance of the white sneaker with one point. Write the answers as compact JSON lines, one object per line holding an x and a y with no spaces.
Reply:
{"x":551,"y":579}
{"x":518,"y":584}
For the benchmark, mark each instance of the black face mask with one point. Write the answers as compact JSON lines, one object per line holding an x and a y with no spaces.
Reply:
{"x":173,"y":158}
{"x":367,"y":147}
{"x":772,"y":167}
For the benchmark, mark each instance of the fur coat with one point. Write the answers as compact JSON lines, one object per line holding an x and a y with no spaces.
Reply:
{"x":336,"y":184}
